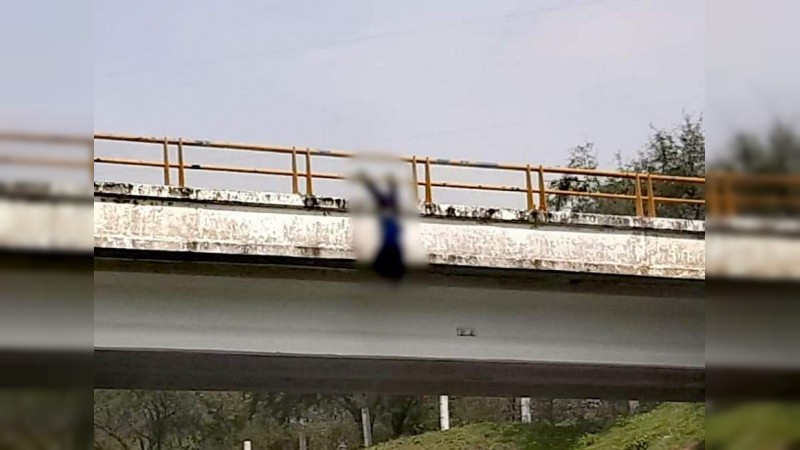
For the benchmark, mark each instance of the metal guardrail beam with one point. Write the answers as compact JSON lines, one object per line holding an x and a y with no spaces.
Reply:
{"x":721,"y":196}
{"x":427,"y":183}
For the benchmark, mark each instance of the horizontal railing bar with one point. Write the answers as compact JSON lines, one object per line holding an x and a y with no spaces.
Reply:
{"x":418,"y":160}
{"x":766,"y":201}
{"x":63,"y":138}
{"x":627,"y":175}
{"x":222,"y":145}
{"x":480,"y":187}
{"x":689,"y":201}
{"x":447,"y":185}
{"x":742,"y":179}
{"x":43,"y":161}
{"x":623,"y":196}
{"x":728,"y":180}
{"x":25,"y":136}
{"x":559,"y":192}
{"x":565,"y":171}
{"x":214,"y":168}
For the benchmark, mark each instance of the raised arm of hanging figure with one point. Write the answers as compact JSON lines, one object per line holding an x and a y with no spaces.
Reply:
{"x":373,"y":190}
{"x":383,"y":201}
{"x":392,"y":197}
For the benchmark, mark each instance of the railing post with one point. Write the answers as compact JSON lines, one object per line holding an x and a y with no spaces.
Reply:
{"x":166,"y":161}
{"x":181,"y":174}
{"x":91,"y":160}
{"x":428,"y":188}
{"x":444,"y":412}
{"x":414,"y":178}
{"x":525,"y":409}
{"x":542,"y":191}
{"x":309,"y":180}
{"x":638,"y":191}
{"x":529,"y":187}
{"x":712,"y":200}
{"x":729,"y":196}
{"x":295,"y":188}
{"x":651,"y":197}
{"x":366,"y":427}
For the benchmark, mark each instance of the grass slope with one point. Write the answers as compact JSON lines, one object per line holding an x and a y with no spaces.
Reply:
{"x":669,"y":427}
{"x":485,"y":436}
{"x":756,"y":425}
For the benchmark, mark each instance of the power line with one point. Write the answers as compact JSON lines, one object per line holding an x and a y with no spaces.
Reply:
{"x":355,"y":40}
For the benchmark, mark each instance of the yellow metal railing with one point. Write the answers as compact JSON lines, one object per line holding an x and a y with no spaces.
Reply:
{"x":535,"y":187}
{"x":729,"y":194}
{"x":722,"y":196}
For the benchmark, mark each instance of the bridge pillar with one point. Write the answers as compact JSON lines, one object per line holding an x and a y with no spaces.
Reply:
{"x":444,"y":412}
{"x":525,"y":409}
{"x":366,"y":427}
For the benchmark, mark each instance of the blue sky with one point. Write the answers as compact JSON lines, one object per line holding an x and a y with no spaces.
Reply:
{"x":505,"y":80}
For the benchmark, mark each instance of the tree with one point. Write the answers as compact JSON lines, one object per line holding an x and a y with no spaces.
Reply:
{"x":147,"y":420}
{"x":466,"y":410}
{"x":776,"y":153}
{"x":678,"y":151}
{"x":43,"y":418}
{"x":353,"y":403}
{"x":581,"y":156}
{"x":405,"y":414}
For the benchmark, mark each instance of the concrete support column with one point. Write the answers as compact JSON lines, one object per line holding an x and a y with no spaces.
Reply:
{"x":302,"y":438}
{"x":365,"y":426}
{"x":525,"y":409}
{"x":444,"y":412}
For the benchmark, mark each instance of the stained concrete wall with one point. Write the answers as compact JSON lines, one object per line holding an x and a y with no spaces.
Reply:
{"x":157,"y":218}
{"x":754,"y":248}
{"x":45,"y":217}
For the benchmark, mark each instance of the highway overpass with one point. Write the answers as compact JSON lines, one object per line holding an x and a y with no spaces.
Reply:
{"x":203,"y":288}
{"x":210,"y":289}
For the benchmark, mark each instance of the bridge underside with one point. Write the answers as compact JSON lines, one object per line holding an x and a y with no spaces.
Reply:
{"x":178,"y":321}
{"x":147,"y":369}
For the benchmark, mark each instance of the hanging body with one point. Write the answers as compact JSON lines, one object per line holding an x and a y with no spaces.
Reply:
{"x":389,"y":262}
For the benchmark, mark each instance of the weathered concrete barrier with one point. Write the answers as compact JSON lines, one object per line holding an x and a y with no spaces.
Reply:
{"x":140,"y":218}
{"x":37,"y":217}
{"x":754,"y":248}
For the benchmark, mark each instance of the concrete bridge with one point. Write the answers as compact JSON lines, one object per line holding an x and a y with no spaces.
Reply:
{"x":215,"y":289}
{"x":219,"y":289}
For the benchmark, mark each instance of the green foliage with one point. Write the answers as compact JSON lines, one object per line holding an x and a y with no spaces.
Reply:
{"x":755,"y":425}
{"x":580,"y":157}
{"x":222,"y":420}
{"x":679,"y":151}
{"x":469,"y":410}
{"x":495,"y":436}
{"x":45,"y":418}
{"x":161,"y":419}
{"x":155,"y":420}
{"x":776,"y":153}
{"x":668,"y":427}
